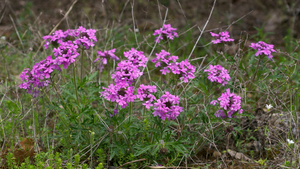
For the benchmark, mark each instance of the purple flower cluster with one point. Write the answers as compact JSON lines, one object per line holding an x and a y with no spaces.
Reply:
{"x":167,"y":107}
{"x":221,"y":37}
{"x":218,"y":74}
{"x":137,"y":58}
{"x":164,"y":57}
{"x":167,"y":31}
{"x":144,"y":93}
{"x":183,"y":68}
{"x":80,"y":36}
{"x":121,"y":93}
{"x":229,"y":102}
{"x":127,"y":71}
{"x":103,"y":56}
{"x":38,"y":76}
{"x":263,"y":48}
{"x":65,"y":52}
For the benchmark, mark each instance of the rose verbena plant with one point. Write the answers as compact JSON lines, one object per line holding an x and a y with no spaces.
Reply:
{"x":119,"y":101}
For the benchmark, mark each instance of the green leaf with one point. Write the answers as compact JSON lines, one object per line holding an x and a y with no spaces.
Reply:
{"x":143,"y":150}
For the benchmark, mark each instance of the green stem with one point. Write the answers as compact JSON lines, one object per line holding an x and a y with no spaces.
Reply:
{"x":62,"y":119}
{"x":60,"y":95}
{"x":81,"y":65}
{"x":74,"y":78}
{"x":257,"y":66}
{"x":130,"y":111}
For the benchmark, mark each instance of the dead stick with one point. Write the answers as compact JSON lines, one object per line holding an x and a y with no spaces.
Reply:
{"x":131,"y":162}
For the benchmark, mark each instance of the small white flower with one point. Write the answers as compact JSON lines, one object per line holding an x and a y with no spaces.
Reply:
{"x":290,"y":141}
{"x":268,"y":106}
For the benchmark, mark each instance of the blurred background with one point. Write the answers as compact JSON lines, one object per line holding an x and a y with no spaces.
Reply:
{"x":278,"y":17}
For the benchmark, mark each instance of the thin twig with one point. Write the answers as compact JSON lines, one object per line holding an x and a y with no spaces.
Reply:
{"x":211,"y":11}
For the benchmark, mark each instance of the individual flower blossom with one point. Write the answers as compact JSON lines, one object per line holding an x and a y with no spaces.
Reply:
{"x":126,"y":72}
{"x":167,"y":31}
{"x":164,"y":57}
{"x":229,"y":102}
{"x":115,"y":112}
{"x":290,"y":141}
{"x":220,"y":114}
{"x":218,"y":74}
{"x":167,"y":107}
{"x":268,"y":107}
{"x":214,"y":102}
{"x":103,"y":56}
{"x":221,"y":37}
{"x":120,"y":93}
{"x":38,"y":76}
{"x":144,"y":94}
{"x":263,"y":48}
{"x":136,"y":57}
{"x":106,"y":54}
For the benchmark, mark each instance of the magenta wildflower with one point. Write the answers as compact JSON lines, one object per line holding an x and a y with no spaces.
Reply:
{"x":221,"y":37}
{"x":80,"y":36}
{"x":86,"y":37}
{"x":183,"y":68}
{"x":263,"y":48}
{"x":115,"y":112}
{"x":220,"y":113}
{"x":144,"y":94}
{"x":136,"y":57}
{"x":186,"y":70}
{"x":167,"y":107}
{"x":167,"y":31}
{"x":66,"y":54}
{"x":121,"y":93}
{"x":218,"y":74}
{"x":38,"y":76}
{"x":104,"y":55}
{"x":229,"y":102}
{"x":164,"y":57}
{"x":126,"y":72}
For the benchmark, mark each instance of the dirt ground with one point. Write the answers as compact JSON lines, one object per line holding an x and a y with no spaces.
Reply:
{"x":238,"y":16}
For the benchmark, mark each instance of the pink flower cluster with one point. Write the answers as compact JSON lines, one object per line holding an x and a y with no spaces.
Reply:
{"x":137,"y":58}
{"x":218,"y":74}
{"x":65,"y":52}
{"x":121,"y":93}
{"x":167,"y":31}
{"x":167,"y":107}
{"x":103,"y":56}
{"x":183,"y":68}
{"x":80,"y":36}
{"x":38,"y":76}
{"x":229,"y":102}
{"x":263,"y":48}
{"x":221,"y":37}
{"x":127,"y":71}
{"x":144,"y":94}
